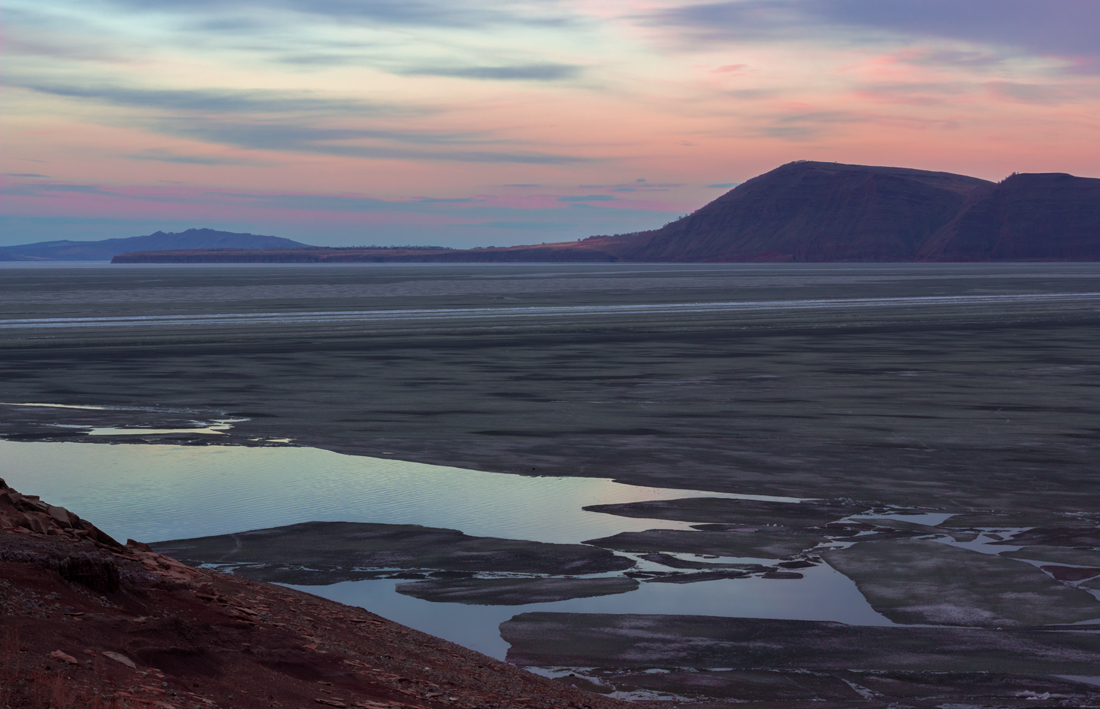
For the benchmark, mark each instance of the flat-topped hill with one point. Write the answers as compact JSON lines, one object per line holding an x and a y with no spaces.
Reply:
{"x":811,"y":211}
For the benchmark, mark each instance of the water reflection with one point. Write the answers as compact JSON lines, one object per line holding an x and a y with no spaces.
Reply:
{"x":824,"y":594}
{"x":159,"y":492}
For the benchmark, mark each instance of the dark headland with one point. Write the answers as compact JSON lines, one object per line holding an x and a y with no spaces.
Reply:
{"x":803,"y":211}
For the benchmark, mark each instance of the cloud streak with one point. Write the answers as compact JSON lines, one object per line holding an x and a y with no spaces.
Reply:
{"x":300,"y":137}
{"x":1060,"y":28}
{"x":589,"y":198}
{"x":209,"y":101}
{"x":522,"y":72}
{"x":293,"y":122}
{"x":408,"y":13}
{"x":160,"y":155}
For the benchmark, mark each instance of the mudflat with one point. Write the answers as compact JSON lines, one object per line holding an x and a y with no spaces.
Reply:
{"x":319,"y":553}
{"x":963,"y":386}
{"x":783,"y":663}
{"x":962,"y":395}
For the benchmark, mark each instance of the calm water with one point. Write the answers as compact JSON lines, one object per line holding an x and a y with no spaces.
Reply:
{"x":824,"y":594}
{"x":160,"y":492}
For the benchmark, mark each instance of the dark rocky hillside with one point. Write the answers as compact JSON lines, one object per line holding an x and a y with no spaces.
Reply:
{"x":1050,"y":216}
{"x":811,"y":211}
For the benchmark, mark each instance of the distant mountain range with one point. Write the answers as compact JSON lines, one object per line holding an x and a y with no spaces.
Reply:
{"x":802,"y":211}
{"x":160,"y":241}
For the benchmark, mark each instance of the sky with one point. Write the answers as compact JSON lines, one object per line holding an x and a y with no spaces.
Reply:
{"x":473,"y":123}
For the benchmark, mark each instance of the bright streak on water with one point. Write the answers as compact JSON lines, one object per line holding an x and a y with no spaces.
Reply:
{"x":539,"y":312}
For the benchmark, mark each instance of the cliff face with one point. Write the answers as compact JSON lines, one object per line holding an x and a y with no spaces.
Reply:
{"x":812,"y":211}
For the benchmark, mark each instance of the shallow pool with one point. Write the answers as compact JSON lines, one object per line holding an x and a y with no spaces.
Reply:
{"x":159,"y":492}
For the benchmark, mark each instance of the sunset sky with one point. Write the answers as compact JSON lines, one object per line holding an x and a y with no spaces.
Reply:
{"x":460,"y":123}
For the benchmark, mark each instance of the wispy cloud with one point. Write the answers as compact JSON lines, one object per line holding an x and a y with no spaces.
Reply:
{"x":522,"y":72}
{"x":160,"y":155}
{"x":42,"y":190}
{"x":589,"y":198}
{"x":802,"y":125}
{"x":1061,"y":28}
{"x":209,"y":101}
{"x":295,"y":122}
{"x":1044,"y":94}
{"x":306,"y":137}
{"x":414,"y":13}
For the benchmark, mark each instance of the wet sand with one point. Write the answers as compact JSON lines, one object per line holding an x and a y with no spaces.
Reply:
{"x":974,"y":394}
{"x":980,"y":405}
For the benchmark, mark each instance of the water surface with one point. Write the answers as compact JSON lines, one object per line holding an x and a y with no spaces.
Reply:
{"x":159,"y":492}
{"x":824,"y":594}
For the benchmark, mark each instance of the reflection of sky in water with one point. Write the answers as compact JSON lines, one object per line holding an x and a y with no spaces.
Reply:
{"x":824,"y":594}
{"x":158,"y":492}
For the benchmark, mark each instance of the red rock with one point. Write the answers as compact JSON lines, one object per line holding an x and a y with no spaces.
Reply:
{"x":64,"y":657}
{"x":60,"y":514}
{"x":119,"y":658}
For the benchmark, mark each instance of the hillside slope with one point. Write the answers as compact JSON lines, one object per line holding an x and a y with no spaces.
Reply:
{"x":1050,"y":216}
{"x":86,"y":622}
{"x":811,"y":211}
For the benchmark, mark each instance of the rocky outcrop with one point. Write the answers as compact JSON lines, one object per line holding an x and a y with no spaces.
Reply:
{"x":28,"y":514}
{"x":86,"y":622}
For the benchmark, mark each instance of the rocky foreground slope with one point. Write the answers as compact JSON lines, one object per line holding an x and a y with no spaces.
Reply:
{"x":88,"y":622}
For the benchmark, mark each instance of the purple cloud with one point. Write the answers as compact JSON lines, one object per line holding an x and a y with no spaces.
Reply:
{"x":1061,"y":28}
